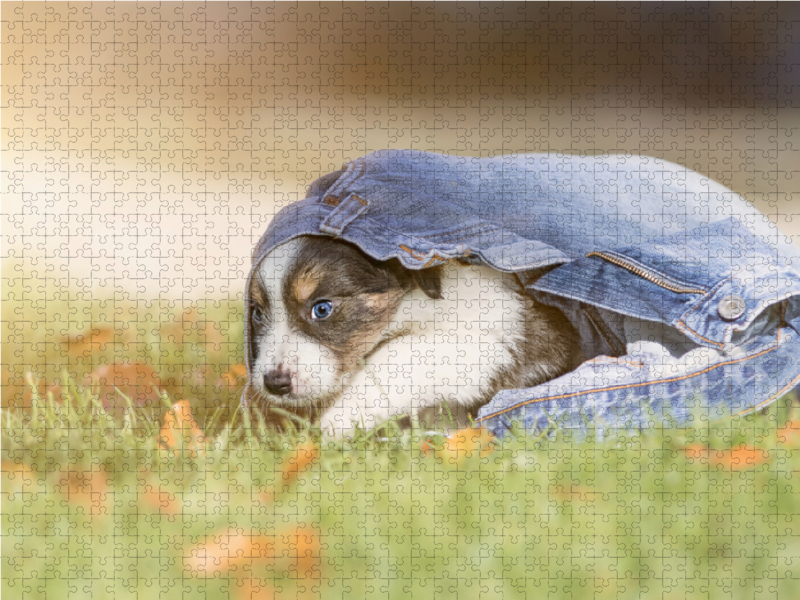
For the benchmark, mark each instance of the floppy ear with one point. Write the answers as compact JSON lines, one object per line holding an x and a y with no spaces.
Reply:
{"x":429,"y":281}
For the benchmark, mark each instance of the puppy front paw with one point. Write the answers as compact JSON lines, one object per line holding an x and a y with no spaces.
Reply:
{"x":353,"y":411}
{"x":334,"y":423}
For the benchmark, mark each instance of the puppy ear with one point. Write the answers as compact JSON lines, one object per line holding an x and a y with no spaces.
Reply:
{"x":429,"y":281}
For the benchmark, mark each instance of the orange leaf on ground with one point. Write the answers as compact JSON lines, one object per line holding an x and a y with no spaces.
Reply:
{"x":741,"y":457}
{"x":297,"y":550}
{"x":299,"y":458}
{"x":304,"y":549}
{"x":696,"y":451}
{"x":179,"y":422}
{"x":462,"y":443}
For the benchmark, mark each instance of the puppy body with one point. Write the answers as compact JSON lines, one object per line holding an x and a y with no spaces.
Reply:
{"x":359,"y":340}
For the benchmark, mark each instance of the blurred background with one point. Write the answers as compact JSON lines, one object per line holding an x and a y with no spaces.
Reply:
{"x":146,"y":146}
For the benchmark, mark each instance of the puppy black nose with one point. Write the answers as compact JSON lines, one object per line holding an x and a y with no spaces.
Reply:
{"x":278,"y":382}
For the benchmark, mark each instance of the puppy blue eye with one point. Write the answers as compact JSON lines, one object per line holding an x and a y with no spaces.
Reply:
{"x":322,"y":309}
{"x":258,"y":316}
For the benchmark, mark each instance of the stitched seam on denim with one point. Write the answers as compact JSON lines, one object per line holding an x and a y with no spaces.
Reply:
{"x":681,"y":327}
{"x":703,"y":301}
{"x":777,"y":394}
{"x":635,"y":385}
{"x":413,"y":253}
{"x":335,"y":191}
{"x":344,"y":214}
{"x":338,"y":189}
{"x":655,"y":276}
{"x":436,"y":257}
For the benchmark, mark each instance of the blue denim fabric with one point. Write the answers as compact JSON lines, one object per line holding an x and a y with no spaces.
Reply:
{"x":643,"y":256}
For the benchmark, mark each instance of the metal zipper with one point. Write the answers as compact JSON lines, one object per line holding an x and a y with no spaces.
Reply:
{"x":652,"y":278}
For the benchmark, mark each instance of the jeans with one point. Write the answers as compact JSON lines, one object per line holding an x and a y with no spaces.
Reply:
{"x":686,"y":299}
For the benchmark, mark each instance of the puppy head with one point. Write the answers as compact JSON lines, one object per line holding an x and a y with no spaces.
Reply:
{"x":317,"y":307}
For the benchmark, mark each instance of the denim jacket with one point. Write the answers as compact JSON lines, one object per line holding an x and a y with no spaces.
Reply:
{"x":686,"y":299}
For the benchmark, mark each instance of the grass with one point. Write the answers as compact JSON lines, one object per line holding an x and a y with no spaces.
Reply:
{"x":101,"y":499}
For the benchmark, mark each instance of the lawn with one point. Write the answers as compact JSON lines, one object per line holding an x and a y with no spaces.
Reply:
{"x":128,"y":473}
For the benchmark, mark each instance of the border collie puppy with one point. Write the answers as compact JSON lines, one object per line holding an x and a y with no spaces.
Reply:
{"x":354,"y":341}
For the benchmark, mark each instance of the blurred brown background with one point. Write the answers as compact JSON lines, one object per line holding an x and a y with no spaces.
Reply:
{"x":147,"y":145}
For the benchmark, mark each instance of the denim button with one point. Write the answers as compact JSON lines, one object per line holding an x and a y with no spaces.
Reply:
{"x":731,"y":307}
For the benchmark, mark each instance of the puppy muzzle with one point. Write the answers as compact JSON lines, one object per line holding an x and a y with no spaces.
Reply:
{"x":278,"y":382}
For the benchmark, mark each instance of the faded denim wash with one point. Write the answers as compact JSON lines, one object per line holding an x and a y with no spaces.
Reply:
{"x":686,"y":298}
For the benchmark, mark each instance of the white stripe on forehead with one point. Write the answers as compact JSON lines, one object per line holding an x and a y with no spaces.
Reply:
{"x":273,"y":269}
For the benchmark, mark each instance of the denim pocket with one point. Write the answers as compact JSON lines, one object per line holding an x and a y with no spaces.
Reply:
{"x":708,"y":283}
{"x":621,"y":287}
{"x":651,"y":275}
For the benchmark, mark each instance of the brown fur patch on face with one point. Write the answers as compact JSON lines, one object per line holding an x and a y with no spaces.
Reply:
{"x":305,"y":286}
{"x":258,"y":296}
{"x":365,"y":294}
